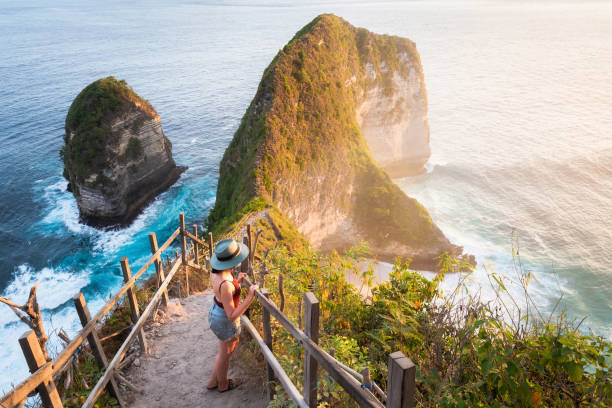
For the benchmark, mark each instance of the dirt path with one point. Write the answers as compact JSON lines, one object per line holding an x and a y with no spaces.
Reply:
{"x":181,"y":354}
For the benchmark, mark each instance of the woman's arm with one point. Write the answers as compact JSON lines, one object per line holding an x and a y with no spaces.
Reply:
{"x":228,"y":303}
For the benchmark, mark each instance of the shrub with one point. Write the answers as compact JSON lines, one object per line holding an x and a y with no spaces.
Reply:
{"x":468,"y":353}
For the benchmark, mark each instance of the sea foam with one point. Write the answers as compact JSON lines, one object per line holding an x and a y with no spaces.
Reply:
{"x":55,"y":286}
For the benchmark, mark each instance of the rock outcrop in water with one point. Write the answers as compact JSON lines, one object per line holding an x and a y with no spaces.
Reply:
{"x":336,"y":103}
{"x":116,"y":156}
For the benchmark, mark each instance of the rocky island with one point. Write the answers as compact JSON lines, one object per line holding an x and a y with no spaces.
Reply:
{"x":116,"y":156}
{"x":337,"y":107}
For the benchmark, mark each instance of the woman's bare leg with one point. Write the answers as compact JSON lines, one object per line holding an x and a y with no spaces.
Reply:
{"x":218,"y":361}
{"x":229,"y":347}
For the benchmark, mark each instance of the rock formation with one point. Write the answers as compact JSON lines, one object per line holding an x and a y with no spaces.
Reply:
{"x":116,"y":156}
{"x":336,"y":103}
{"x":393,"y":117}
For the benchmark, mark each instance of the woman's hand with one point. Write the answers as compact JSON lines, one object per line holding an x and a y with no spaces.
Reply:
{"x":252,"y":290}
{"x":241,"y":276}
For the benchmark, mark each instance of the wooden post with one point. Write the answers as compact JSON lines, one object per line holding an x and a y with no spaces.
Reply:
{"x":131,"y":293}
{"x":211,"y":244}
{"x":183,"y":238}
{"x":300,"y":314}
{"x":184,"y":251}
{"x":244,"y":266}
{"x":35,"y":359}
{"x":159,"y":270}
{"x":311,"y":329}
{"x":196,"y":252}
{"x":367,"y":381}
{"x":251,"y":248}
{"x":95,"y":345}
{"x":281,"y":292}
{"x":400,"y":381}
{"x":267,"y":332}
{"x":250,"y":238}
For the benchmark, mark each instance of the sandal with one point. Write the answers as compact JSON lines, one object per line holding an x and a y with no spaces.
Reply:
{"x":231,"y":384}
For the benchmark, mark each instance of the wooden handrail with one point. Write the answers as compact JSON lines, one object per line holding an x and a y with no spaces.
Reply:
{"x":358,"y":376}
{"x":346,"y":381}
{"x":21,"y":391}
{"x":198,"y":240}
{"x":99,"y":387}
{"x":66,"y":355}
{"x":274,"y":311}
{"x":280,"y":373}
{"x":401,"y":370}
{"x":146,"y":266}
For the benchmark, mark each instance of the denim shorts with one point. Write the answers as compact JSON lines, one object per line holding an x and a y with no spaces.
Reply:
{"x":223,"y":328}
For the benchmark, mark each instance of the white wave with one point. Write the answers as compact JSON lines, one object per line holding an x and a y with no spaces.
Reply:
{"x":63,"y":212}
{"x":111,"y":241}
{"x":12,"y":363}
{"x":436,"y":160}
{"x":63,"y":209}
{"x":429,"y":167}
{"x":11,"y":357}
{"x":57,"y":285}
{"x":208,"y":203}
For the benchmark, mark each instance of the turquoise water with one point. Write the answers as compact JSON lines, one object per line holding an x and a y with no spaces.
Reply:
{"x":519,"y":114}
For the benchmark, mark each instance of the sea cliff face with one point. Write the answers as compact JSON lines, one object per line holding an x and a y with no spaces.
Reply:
{"x":336,"y":106}
{"x":393,"y":120}
{"x":116,"y":155}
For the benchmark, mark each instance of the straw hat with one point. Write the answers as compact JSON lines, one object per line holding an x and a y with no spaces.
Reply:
{"x":228,"y":253}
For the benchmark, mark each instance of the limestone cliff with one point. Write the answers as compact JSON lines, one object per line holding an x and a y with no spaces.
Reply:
{"x":334,"y":102}
{"x":116,"y":156}
{"x":392,"y":112}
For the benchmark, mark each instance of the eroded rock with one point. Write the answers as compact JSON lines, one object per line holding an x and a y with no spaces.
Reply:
{"x":116,"y":156}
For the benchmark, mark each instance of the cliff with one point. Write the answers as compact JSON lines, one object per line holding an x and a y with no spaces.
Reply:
{"x":116,"y":156}
{"x":336,"y":104}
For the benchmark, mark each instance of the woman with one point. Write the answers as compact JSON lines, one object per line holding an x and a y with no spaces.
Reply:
{"x":225,"y":312}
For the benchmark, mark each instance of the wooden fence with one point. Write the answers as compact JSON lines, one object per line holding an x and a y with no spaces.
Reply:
{"x":400,"y":380}
{"x":43,"y":372}
{"x":401,"y":374}
{"x":401,"y":370}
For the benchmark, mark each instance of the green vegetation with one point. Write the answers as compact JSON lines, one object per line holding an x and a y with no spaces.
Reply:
{"x":277,"y":228}
{"x":134,"y":148}
{"x":300,"y":129}
{"x":86,"y":374}
{"x":88,"y":133}
{"x":230,"y":223}
{"x":468,"y":353}
{"x":302,"y":126}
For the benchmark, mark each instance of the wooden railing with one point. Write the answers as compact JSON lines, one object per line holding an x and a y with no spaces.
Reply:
{"x":401,"y":373}
{"x":401,"y":370}
{"x":43,"y":372}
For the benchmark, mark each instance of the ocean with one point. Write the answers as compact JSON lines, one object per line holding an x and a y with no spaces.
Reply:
{"x":519,"y":110}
